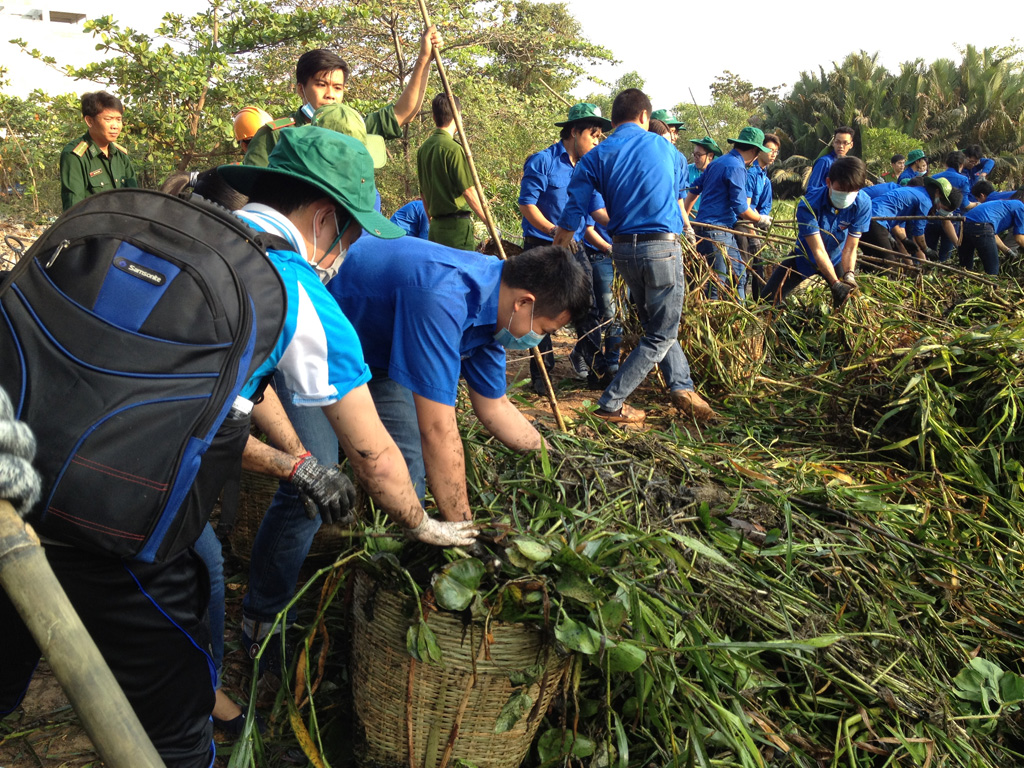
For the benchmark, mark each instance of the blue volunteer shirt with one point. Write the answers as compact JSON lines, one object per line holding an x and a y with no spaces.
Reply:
{"x":759,"y":189}
{"x":815,"y":215}
{"x":692,"y":175}
{"x":984,"y":166}
{"x":412,"y":217}
{"x":904,"y":201}
{"x":880,"y":190}
{"x":906,"y":176}
{"x":318,"y":352}
{"x":820,"y":170}
{"x":545,"y":184}
{"x":957,"y":181}
{"x":723,"y":190}
{"x":641,"y":176}
{"x":425,"y":313}
{"x":1001,"y":214}
{"x":1003,"y":195}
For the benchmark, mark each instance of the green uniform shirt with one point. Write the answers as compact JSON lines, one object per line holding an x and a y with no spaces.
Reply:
{"x":381,"y":122}
{"x":444,"y":175}
{"x":84,"y":170}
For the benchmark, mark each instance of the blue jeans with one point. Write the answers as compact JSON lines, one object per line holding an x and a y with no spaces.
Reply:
{"x":934,"y":233}
{"x":285,"y":534}
{"x":208,"y":548}
{"x":397,"y":411}
{"x":715,"y":245}
{"x":602,"y":317}
{"x":654,"y":273}
{"x":980,"y":237}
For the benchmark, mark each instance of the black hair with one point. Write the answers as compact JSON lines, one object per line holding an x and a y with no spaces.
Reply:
{"x":983,"y":188}
{"x":897,"y":157}
{"x":441,"y":109}
{"x":580,"y":126}
{"x":95,"y":102}
{"x":629,"y":105}
{"x":772,"y":138}
{"x":551,"y":274}
{"x":284,"y":194}
{"x":956,"y":159}
{"x":658,"y":126}
{"x":1018,"y":195}
{"x":974,"y":151}
{"x":956,"y":199}
{"x":312,"y":63}
{"x":849,"y":172}
{"x":843,"y":129}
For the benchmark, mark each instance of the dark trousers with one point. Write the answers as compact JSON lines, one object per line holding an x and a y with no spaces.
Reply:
{"x":149,"y":622}
{"x":584,"y":330}
{"x":877,"y":237}
{"x":750,"y":245}
{"x":981,"y":238}
{"x":785,"y":277}
{"x":935,"y":237}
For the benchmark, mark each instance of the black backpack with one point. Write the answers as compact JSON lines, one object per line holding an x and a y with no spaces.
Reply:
{"x":126,"y":332}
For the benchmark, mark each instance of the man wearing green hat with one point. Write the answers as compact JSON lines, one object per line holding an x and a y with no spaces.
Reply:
{"x":917,"y":165}
{"x":704,"y":151}
{"x":446,"y":182}
{"x":542,"y":196}
{"x":923,"y":196}
{"x":724,"y":201}
{"x":674,"y":126}
{"x":316,"y":195}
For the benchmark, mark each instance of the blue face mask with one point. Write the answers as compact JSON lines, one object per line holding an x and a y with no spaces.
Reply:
{"x":528,"y":340}
{"x":307,"y":110}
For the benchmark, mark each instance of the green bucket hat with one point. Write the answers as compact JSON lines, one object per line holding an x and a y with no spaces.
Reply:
{"x":753,"y":136}
{"x":942,"y":184}
{"x":335,"y":163}
{"x":914,"y":156}
{"x":585,"y":111}
{"x":709,"y":144}
{"x":344,"y":119}
{"x":667,"y":119}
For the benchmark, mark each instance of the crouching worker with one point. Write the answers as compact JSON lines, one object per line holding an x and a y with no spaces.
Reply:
{"x":983,"y":224}
{"x":427,"y":314}
{"x":830,"y":220}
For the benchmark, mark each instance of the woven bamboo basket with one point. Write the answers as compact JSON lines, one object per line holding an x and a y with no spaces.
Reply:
{"x":410,"y":710}
{"x":255,"y":494}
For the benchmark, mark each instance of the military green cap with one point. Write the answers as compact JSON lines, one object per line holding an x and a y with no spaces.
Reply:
{"x":335,"y":163}
{"x":752,"y":136}
{"x":585,"y":111}
{"x":914,"y":156}
{"x":344,"y":119}
{"x":667,"y":119}
{"x":709,"y":144}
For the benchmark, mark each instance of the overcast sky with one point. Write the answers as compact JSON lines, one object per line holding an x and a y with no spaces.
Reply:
{"x":666,"y":43}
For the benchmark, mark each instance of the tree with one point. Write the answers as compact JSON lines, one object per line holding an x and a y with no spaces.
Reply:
{"x":742,"y":93}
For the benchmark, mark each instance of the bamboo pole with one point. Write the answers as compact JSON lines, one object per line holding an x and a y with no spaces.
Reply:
{"x":102,"y":707}
{"x":918,"y":218}
{"x":488,"y":219}
{"x":700,"y":114}
{"x":554,"y":93}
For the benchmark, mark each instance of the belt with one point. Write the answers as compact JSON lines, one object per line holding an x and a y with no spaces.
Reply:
{"x":456,"y":215}
{"x":645,"y":237}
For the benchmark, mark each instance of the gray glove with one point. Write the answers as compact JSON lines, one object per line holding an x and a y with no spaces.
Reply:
{"x":325,"y":489}
{"x":690,"y":236}
{"x":840,"y":293}
{"x":850,"y":279}
{"x":19,"y":483}
{"x":765,"y":222}
{"x":444,"y":534}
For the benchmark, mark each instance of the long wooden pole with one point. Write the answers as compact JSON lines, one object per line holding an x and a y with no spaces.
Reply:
{"x":488,"y":219}
{"x":700,"y":114}
{"x":102,"y":708}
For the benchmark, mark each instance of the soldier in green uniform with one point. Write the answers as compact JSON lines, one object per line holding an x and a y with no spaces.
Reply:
{"x":446,"y":183}
{"x":320,"y":78}
{"x":95,"y":162}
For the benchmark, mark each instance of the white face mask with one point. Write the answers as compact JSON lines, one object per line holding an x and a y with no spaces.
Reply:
{"x":326,"y":273}
{"x":842,"y":199}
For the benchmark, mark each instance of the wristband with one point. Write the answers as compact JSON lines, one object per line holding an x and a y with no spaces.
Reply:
{"x":298,"y":463}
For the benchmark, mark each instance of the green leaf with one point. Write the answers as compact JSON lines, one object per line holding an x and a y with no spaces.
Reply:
{"x":626,"y":657}
{"x":578,"y":637}
{"x":455,"y":586}
{"x":578,"y":588}
{"x":613,"y":614}
{"x":518,"y":704}
{"x":703,"y":549}
{"x":555,"y":743}
{"x":533,"y":550}
{"x":1011,"y":688}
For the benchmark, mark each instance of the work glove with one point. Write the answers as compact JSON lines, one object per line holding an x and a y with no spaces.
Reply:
{"x":325,"y":489}
{"x":840,"y":292}
{"x":690,"y":236}
{"x":19,"y":483}
{"x":850,"y":278}
{"x":932,"y":254}
{"x":444,"y":534}
{"x":765,"y":222}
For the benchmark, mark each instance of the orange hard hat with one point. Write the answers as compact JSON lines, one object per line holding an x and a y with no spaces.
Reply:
{"x":248,"y":121}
